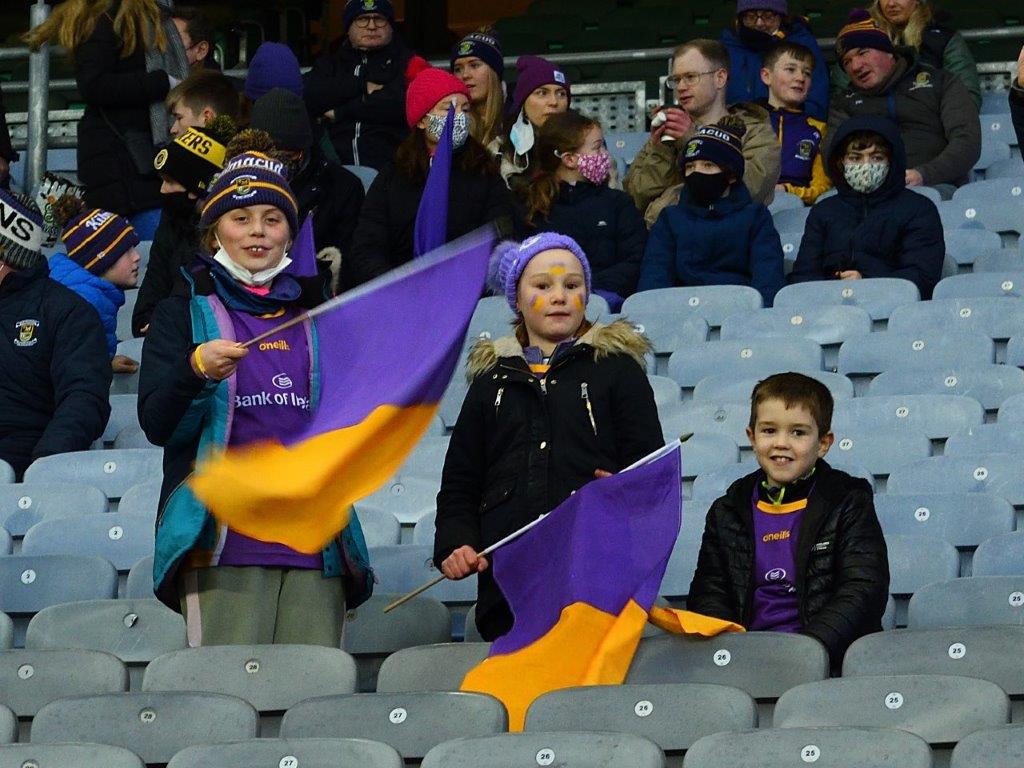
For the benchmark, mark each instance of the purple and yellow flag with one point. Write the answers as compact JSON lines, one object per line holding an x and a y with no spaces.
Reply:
{"x":582,"y":584}
{"x":386,"y":351}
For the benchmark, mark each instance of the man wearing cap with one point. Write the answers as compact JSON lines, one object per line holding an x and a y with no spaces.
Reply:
{"x":359,"y":91}
{"x":937,"y":118}
{"x":54,"y":368}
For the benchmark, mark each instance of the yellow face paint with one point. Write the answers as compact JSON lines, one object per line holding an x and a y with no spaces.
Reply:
{"x":578,"y":301}
{"x":557,"y":269}
{"x":537,"y":303}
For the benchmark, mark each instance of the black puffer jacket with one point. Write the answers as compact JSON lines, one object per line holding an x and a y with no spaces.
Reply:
{"x":174,"y":244}
{"x":521,"y":448}
{"x":1017,"y":111}
{"x":334,"y":195}
{"x":842,"y":566}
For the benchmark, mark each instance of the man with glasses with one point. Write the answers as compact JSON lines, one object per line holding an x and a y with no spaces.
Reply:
{"x":359,"y":91}
{"x":700,"y":76}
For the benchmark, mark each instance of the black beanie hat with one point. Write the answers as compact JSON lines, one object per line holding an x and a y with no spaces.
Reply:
{"x":721,"y":143}
{"x":191,"y":160}
{"x":283,"y":115}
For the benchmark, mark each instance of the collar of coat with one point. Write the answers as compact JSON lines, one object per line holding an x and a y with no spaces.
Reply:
{"x":617,"y":338}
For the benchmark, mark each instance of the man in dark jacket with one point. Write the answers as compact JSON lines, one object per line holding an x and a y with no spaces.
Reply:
{"x":888,"y":231}
{"x":360,"y":90}
{"x":1017,"y":100}
{"x":7,"y":153}
{"x":937,"y":117}
{"x":795,"y":546}
{"x":54,"y":368}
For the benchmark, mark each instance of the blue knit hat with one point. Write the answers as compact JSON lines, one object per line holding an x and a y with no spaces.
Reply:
{"x":513,"y":258}
{"x":356,"y":8}
{"x":721,"y":143}
{"x":251,"y":178}
{"x":483,"y":45}
{"x":21,"y":231}
{"x":273,"y":66}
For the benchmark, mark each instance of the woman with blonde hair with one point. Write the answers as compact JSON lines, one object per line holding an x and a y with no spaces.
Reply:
{"x":127,"y":55}
{"x":477,"y":61}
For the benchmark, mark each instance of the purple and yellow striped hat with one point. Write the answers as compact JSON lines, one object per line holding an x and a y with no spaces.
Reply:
{"x":251,"y":178}
{"x":96,"y":239}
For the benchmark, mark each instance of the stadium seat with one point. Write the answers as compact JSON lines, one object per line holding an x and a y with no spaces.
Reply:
{"x":407,"y":498}
{"x":6,"y":543}
{"x":877,"y":295}
{"x":1002,"y":260}
{"x":672,"y":715}
{"x":119,"y":537}
{"x":878,"y":451}
{"x":113,"y":471}
{"x":412,"y":723}
{"x":380,"y":529}
{"x":870,"y":354}
{"x":22,"y":505}
{"x":370,"y":635}
{"x":6,"y":632}
{"x":139,"y":584}
{"x":132,"y":437}
{"x":941,"y":709}
{"x":153,"y":725}
{"x":6,"y":473}
{"x":712,"y":302}
{"x":707,"y":452}
{"x":729,"y":388}
{"x":764,"y":664}
{"x":1015,"y":351}
{"x":970,"y":602}
{"x":965,"y":245}
{"x":668,"y":333}
{"x":124,"y":312}
{"x":990,"y":384}
{"x":1011,"y":410}
{"x":439,"y":667}
{"x":142,"y":498}
{"x":452,"y":399}
{"x":915,"y":561}
{"x":624,"y":146}
{"x":980,"y":285}
{"x":404,"y":567}
{"x":937,"y":416}
{"x":784,"y":201}
{"x":427,"y":458}
{"x":365,"y":173}
{"x":423,"y":531}
{"x":998,"y":473}
{"x":569,"y":750}
{"x":135,"y":631}
{"x":1001,"y":554}
{"x":729,"y":419}
{"x":127,"y":383}
{"x":836,"y":747}
{"x":682,"y":563}
{"x":993,"y":317}
{"x":993,"y":152}
{"x":77,"y":755}
{"x":1011,"y":168}
{"x":289,"y":753}
{"x":999,"y":747}
{"x":747,"y":357}
{"x":986,"y":438}
{"x":491,"y":319}
{"x":791,"y":218}
{"x":667,"y":395}
{"x":124,"y":412}
{"x":998,"y":204}
{"x":8,"y":726}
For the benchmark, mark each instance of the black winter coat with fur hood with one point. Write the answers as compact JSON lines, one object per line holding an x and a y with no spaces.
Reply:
{"x":522,"y":445}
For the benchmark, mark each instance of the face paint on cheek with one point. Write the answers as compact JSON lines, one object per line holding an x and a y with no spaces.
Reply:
{"x":578,"y":302}
{"x":537,"y":302}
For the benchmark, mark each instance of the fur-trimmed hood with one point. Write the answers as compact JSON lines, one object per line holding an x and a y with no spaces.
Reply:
{"x":619,"y":337}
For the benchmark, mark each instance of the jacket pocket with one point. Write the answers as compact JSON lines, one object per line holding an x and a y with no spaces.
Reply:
{"x":497,"y":495}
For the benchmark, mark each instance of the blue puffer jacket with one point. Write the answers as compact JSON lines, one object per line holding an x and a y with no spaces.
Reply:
{"x":106,"y":297}
{"x":891,"y":232}
{"x":734,"y":242}
{"x":745,"y":69}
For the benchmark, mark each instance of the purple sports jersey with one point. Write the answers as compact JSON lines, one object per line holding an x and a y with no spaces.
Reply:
{"x":776,"y":605}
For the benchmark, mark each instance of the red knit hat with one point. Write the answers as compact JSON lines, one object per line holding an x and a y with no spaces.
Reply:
{"x":427,"y":86}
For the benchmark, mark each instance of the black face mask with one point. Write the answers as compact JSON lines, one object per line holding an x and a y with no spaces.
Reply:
{"x":705,"y":188}
{"x":179,"y":204}
{"x":755,"y":39}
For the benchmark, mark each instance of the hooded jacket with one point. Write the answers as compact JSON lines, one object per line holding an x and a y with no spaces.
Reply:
{"x":733,"y":242}
{"x":367,"y":127}
{"x":745,"y":61}
{"x":334,"y":195}
{"x":54,"y":369}
{"x":891,"y":232}
{"x":655,"y":177}
{"x":842,"y":566}
{"x":175,"y":242}
{"x":105,"y":297}
{"x":936,"y":116}
{"x":522,"y":445}
{"x":1017,"y":111}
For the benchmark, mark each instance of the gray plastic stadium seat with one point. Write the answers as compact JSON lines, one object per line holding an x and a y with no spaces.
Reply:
{"x":300,"y":753}
{"x":827,"y":325}
{"x":997,"y":204}
{"x":682,"y":563}
{"x":364,"y":173}
{"x":153,"y":725}
{"x":877,"y":295}
{"x":712,"y":302}
{"x":669,"y":332}
{"x":966,"y":244}
{"x":784,"y":201}
{"x":747,"y":357}
{"x":706,"y":452}
{"x":990,"y":316}
{"x":407,"y":498}
{"x":423,"y":531}
{"x":6,"y":631}
{"x":404,"y":567}
{"x":566,"y":750}
{"x":878,"y":451}
{"x":995,"y":284}
{"x":120,"y":538}
{"x":836,"y":747}
{"x":8,"y":726}
{"x":453,"y":398}
{"x":999,"y":747}
{"x":937,"y":416}
{"x":5,"y":542}
{"x":113,"y":471}
{"x":730,"y":388}
{"x":412,"y":723}
{"x":6,"y":473}
{"x":667,"y":394}
{"x":729,"y":419}
{"x":30,"y":679}
{"x":427,"y":458}
{"x":143,"y":498}
{"x":791,"y":218}
{"x":127,"y":383}
{"x":124,"y":412}
{"x":941,"y":709}
{"x":915,"y":561}
{"x":870,"y":354}
{"x":77,"y":755}
{"x":672,"y":715}
{"x":972,"y":602}
{"x":131,"y":296}
{"x":990,"y":385}
{"x":986,"y":438}
{"x":22,"y":505}
{"x":1002,"y":260}
{"x":1015,"y":351}
{"x":132,"y":437}
{"x":1000,"y":555}
{"x":140,"y":580}
{"x":381,"y":529}
{"x":439,"y":667}
{"x":998,"y":473}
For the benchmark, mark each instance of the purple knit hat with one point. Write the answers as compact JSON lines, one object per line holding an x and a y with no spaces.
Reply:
{"x":513,"y":258}
{"x":273,"y":66}
{"x":781,"y":7}
{"x":96,"y":239}
{"x":533,"y":73}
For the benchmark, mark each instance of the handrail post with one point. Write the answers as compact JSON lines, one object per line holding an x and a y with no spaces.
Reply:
{"x":38,"y":104}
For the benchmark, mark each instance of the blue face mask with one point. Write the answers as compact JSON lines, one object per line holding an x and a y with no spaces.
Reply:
{"x":460,"y":128}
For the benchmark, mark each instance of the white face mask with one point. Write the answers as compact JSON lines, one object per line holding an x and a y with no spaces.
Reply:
{"x":243,"y":275}
{"x":865,"y":177}
{"x":522,"y":135}
{"x":460,"y":128}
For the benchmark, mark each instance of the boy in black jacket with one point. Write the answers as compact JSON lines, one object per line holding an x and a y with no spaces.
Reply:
{"x":796,"y":545}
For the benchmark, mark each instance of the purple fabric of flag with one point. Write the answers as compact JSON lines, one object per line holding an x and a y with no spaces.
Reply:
{"x":431,"y":229}
{"x":303,"y":251}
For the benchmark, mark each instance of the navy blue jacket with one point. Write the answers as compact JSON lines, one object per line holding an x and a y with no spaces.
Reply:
{"x":734,"y":242}
{"x":105,"y":297}
{"x":54,"y":369}
{"x":606,"y":224}
{"x":1017,"y":112}
{"x":745,"y":69}
{"x":891,"y":232}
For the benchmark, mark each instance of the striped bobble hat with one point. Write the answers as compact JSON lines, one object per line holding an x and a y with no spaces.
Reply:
{"x":251,"y":178}
{"x":21,"y":231}
{"x":862,"y":31}
{"x":96,"y":239}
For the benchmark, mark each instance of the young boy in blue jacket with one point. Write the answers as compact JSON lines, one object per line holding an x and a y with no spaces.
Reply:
{"x":101,"y":262}
{"x":716,"y":234}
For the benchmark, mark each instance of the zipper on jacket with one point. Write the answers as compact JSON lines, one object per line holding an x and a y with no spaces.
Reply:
{"x":585,"y":396}
{"x":497,"y":400}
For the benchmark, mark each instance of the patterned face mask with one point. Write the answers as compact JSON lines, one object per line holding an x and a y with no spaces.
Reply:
{"x":865,"y":177}
{"x":460,"y":128}
{"x":594,"y":168}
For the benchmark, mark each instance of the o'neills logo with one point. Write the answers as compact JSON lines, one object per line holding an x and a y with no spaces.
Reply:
{"x":257,"y":161}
